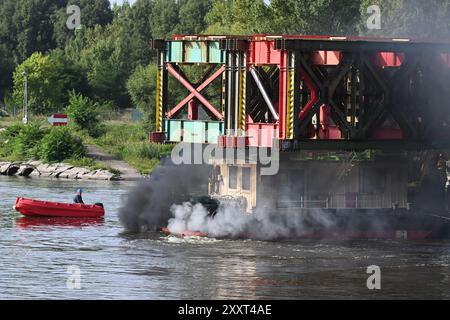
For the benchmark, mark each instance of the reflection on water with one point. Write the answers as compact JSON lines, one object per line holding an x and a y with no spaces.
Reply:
{"x":35,"y":255}
{"x":26,"y":222}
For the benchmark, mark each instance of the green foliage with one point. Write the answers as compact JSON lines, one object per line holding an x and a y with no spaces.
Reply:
{"x":411,"y":18}
{"x":315,"y":17}
{"x":192,"y":16}
{"x":27,"y":26}
{"x":220,"y":17}
{"x":103,"y":55}
{"x":148,"y":150}
{"x":60,"y":144}
{"x":45,"y":90}
{"x":129,"y":142}
{"x":93,"y":12}
{"x":89,"y":163}
{"x":284,"y":16}
{"x":133,"y":23}
{"x":142,"y":89}
{"x":21,"y":142}
{"x":84,"y":113}
{"x":164,"y":18}
{"x":11,"y":131}
{"x":26,"y":143}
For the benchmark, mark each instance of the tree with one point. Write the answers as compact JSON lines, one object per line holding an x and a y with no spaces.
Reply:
{"x":325,"y":17}
{"x":411,"y":18}
{"x":70,"y":74}
{"x":93,"y":12}
{"x":46,"y":91}
{"x":284,"y":16}
{"x":237,"y":17}
{"x":104,"y":58}
{"x":164,"y":18}
{"x":84,"y":113}
{"x":133,"y":23}
{"x":26,"y":26}
{"x":142,"y":89}
{"x":192,"y":16}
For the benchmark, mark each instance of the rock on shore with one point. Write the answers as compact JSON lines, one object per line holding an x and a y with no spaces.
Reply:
{"x":57,"y":170}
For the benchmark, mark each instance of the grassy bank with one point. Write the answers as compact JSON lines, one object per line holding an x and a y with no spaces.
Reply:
{"x":39,"y":141}
{"x":129,"y":142}
{"x":125,"y":140}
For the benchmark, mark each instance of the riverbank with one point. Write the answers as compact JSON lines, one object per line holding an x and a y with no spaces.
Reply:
{"x":122,"y":146}
{"x":125,"y":171}
{"x":128,"y":142}
{"x":57,"y":170}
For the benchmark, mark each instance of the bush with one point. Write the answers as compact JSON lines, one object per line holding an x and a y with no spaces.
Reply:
{"x":60,"y":144}
{"x":20,"y":141}
{"x":85,"y":114}
{"x":142,"y":88}
{"x":11,"y":132}
{"x":26,"y":144}
{"x":148,"y":150}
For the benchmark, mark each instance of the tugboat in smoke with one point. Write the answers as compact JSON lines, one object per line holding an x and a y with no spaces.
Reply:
{"x":309,"y":199}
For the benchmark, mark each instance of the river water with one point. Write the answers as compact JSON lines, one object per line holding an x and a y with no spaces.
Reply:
{"x":40,"y":260}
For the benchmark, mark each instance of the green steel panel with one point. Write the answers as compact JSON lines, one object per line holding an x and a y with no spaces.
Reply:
{"x":193,"y":131}
{"x":173,"y":129}
{"x":194,"y":52}
{"x":215,"y":129}
{"x":215,"y":54}
{"x":174,"y":51}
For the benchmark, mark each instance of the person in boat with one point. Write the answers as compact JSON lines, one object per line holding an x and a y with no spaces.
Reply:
{"x":78,"y":197}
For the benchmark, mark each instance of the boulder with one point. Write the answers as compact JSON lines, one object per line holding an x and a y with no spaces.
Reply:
{"x":25,"y":170}
{"x":3,"y":167}
{"x":12,"y":169}
{"x":53,"y":170}
{"x":74,"y":173}
{"x":100,"y":175}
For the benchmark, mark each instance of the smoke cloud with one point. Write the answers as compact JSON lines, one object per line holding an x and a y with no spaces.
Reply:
{"x":230,"y":222}
{"x":147,"y":206}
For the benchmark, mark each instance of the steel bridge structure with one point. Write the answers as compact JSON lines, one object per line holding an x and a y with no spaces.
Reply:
{"x":307,"y":92}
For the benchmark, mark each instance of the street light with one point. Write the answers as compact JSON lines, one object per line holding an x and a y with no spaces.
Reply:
{"x":25,"y":98}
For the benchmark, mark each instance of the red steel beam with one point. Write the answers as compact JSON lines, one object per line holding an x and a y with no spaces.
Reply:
{"x":172,"y":113}
{"x":195,"y":92}
{"x":314,"y":97}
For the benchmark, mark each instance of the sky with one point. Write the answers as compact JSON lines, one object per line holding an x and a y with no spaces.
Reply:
{"x":121,"y":1}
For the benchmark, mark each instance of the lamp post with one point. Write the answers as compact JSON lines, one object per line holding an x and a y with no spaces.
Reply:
{"x":25,"y":99}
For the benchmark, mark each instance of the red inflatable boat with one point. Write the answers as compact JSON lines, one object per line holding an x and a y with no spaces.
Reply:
{"x":36,"y":208}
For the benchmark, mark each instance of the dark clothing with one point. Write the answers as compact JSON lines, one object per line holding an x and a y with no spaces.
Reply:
{"x":78,"y":199}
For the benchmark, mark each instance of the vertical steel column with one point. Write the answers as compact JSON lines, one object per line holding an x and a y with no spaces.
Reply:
{"x":161,"y":91}
{"x":243,"y":93}
{"x":237,"y":90}
{"x":290,"y":103}
{"x":232,"y":92}
{"x":193,"y":110}
{"x":283,"y":93}
{"x":299,"y":94}
{"x":224,"y":93}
